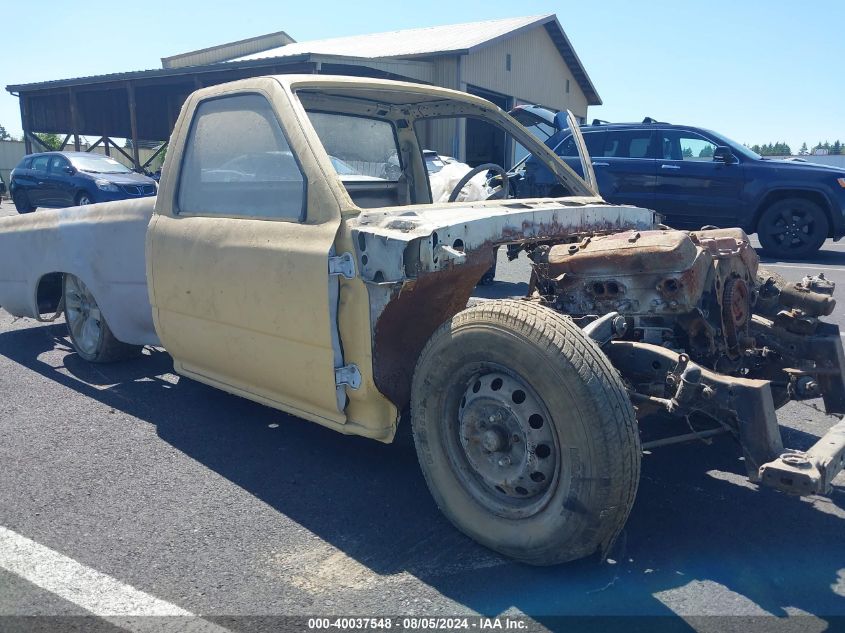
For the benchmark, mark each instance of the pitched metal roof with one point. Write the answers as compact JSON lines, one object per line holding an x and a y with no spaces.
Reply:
{"x":428,"y":41}
{"x":407,"y":44}
{"x":451,"y":39}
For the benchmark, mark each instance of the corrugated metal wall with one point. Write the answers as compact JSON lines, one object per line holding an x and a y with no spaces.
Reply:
{"x":11,"y":153}
{"x":538,"y":73}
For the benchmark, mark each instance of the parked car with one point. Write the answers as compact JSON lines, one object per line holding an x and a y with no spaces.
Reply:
{"x":67,"y":179}
{"x":344,"y":302}
{"x":695,"y":177}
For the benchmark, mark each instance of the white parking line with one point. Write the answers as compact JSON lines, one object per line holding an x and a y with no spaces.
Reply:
{"x":805,"y":266}
{"x":87,"y":588}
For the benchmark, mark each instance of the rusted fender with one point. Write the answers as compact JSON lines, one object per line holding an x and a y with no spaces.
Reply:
{"x":422,"y":264}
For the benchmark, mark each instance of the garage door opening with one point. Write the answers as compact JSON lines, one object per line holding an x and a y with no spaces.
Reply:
{"x":485,"y":143}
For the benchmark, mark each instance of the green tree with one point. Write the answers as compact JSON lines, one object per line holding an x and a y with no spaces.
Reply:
{"x":836,"y":148}
{"x":49,"y":139}
{"x":4,"y":135}
{"x":687,"y":152}
{"x":803,"y":151}
{"x":706,"y":152}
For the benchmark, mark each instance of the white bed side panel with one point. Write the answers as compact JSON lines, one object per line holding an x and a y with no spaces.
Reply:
{"x":102,"y":244}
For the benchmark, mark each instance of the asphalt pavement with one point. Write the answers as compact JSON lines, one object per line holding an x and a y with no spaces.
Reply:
{"x":127,"y":485}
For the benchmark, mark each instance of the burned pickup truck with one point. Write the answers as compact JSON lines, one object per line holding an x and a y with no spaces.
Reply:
{"x":283,"y":261}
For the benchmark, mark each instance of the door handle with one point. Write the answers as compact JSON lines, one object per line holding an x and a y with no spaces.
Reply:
{"x":595,"y":164}
{"x":670,"y":167}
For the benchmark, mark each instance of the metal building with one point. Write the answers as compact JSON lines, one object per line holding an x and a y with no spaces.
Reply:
{"x":508,"y":61}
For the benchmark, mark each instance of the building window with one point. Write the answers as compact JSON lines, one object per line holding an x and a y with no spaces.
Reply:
{"x":567,"y":86}
{"x":508,"y":64}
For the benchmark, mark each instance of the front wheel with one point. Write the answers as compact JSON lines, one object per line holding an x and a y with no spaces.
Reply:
{"x":89,"y":332}
{"x":22,"y":203}
{"x":525,"y":434}
{"x":793,"y":228}
{"x":83,"y":198}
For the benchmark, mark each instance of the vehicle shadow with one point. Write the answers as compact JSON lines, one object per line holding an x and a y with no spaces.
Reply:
{"x":696,"y":528}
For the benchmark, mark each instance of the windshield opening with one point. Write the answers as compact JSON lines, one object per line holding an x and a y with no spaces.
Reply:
{"x":405,"y":148}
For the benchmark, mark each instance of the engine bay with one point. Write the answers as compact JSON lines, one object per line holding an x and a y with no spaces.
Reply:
{"x":698,"y":328}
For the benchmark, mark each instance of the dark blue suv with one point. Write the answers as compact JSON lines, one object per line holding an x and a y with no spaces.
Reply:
{"x":66,"y":179}
{"x":694,"y":177}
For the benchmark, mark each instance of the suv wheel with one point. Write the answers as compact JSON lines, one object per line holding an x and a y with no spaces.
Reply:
{"x":792,"y":228}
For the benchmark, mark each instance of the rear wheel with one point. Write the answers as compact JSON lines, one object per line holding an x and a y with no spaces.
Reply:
{"x":525,"y":434}
{"x":22,"y":203}
{"x":90,"y":334}
{"x":82,"y":198}
{"x":792,"y":228}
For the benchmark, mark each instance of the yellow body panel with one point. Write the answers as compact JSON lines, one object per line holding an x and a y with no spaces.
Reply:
{"x":248,"y":305}
{"x":245,"y":304}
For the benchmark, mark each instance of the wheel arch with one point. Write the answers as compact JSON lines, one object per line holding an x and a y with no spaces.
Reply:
{"x":812,"y":195}
{"x":48,"y":293}
{"x":83,"y":190}
{"x":127,"y":324}
{"x":49,"y":289}
{"x":411,"y":318}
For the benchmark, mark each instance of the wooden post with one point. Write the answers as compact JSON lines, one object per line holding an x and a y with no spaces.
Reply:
{"x":133,"y":122}
{"x":74,"y":118}
{"x":22,"y":100}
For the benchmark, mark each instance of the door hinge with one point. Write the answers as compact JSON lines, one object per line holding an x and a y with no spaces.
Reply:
{"x":348,"y":375}
{"x":342,"y":265}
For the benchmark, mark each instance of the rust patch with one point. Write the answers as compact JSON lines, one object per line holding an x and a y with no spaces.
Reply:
{"x":410,"y":319}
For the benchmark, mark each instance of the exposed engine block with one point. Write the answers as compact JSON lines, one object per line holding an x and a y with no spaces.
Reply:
{"x":691,"y":291}
{"x":698,"y":329}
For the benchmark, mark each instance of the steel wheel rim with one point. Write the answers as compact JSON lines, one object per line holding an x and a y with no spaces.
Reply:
{"x":83,"y":316}
{"x":791,"y":228}
{"x":502,"y":444}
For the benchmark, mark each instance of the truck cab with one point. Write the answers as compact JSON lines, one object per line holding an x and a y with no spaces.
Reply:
{"x":258,"y":204}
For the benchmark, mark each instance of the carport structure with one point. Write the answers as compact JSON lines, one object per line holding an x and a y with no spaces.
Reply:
{"x":510,"y":61}
{"x":142,"y":105}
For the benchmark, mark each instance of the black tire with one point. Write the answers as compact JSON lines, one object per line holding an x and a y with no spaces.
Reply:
{"x":82,"y":198}
{"x":106,"y":348}
{"x":574,"y":395}
{"x":793,"y":228}
{"x":22,"y":203}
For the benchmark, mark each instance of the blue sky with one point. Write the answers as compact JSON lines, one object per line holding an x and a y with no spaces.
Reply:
{"x":755,"y":70}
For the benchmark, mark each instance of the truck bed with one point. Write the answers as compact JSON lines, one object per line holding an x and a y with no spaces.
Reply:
{"x":102,"y":244}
